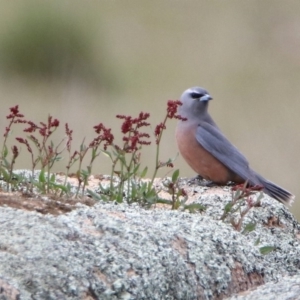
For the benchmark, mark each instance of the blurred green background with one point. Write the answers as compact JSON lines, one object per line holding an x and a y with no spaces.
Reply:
{"x":85,"y":62}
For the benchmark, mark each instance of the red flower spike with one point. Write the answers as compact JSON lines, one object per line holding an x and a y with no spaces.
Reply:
{"x":15,"y":110}
{"x":104,"y":135}
{"x":15,"y":151}
{"x":25,"y":142}
{"x":172,"y":110}
{"x":76,"y":153}
{"x":14,"y":113}
{"x":35,"y":140}
{"x":120,"y":116}
{"x":127,"y":125}
{"x":55,"y":123}
{"x":19,"y":121}
{"x":7,"y":130}
{"x":159,"y":128}
{"x":69,"y":135}
{"x":32,"y":127}
{"x":143,"y":124}
{"x":130,"y":128}
{"x":43,"y":131}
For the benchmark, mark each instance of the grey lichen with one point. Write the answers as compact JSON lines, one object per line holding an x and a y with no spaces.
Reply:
{"x":114,"y":251}
{"x":286,"y":288}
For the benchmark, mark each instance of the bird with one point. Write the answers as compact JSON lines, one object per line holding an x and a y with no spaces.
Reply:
{"x":210,"y":154}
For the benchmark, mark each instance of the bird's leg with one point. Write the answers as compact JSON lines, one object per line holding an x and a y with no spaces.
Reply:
{"x":195,"y":179}
{"x":199,"y":180}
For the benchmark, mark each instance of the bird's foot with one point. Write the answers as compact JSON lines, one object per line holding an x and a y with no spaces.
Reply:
{"x":199,"y":180}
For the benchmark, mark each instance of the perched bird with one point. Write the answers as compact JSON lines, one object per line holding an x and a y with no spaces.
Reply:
{"x":209,"y":153}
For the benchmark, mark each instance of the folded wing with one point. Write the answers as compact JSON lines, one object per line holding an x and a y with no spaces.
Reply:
{"x":212,"y":139}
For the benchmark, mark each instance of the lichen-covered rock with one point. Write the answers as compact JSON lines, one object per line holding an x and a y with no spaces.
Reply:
{"x":119,"y":251}
{"x":286,"y":288}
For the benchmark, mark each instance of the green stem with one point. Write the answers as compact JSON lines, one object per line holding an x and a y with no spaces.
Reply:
{"x":114,"y":163}
{"x":78,"y":176}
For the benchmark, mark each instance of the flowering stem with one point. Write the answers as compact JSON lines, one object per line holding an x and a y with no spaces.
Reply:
{"x":114,"y":163}
{"x":157,"y":164}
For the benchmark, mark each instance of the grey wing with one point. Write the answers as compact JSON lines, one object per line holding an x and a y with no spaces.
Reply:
{"x":212,"y":139}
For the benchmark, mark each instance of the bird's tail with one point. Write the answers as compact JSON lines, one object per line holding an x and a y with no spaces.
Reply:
{"x":275,"y":191}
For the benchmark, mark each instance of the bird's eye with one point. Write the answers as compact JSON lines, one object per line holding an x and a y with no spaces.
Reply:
{"x":195,"y":95}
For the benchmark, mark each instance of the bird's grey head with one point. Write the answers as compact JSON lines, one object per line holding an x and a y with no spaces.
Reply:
{"x":194,"y":102}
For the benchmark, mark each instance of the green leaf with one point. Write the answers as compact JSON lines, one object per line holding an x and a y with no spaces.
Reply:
{"x":116,"y":152}
{"x":150,"y":191}
{"x":136,"y":168}
{"x":84,"y":173}
{"x":34,"y":141}
{"x":194,"y":207}
{"x":5,"y":174}
{"x":177,"y":204}
{"x":94,"y":195}
{"x":164,"y":201}
{"x":42,"y":177}
{"x":249,"y":227}
{"x":61,"y":187}
{"x":89,"y":170}
{"x":82,"y":146}
{"x":106,"y":153}
{"x":52,"y":178}
{"x":228,"y":207}
{"x":150,"y":195}
{"x":144,"y":172}
{"x":5,"y":151}
{"x":175,"y":175}
{"x":266,"y":249}
{"x":119,"y":198}
{"x":39,"y":186}
{"x":124,"y":176}
{"x":103,"y":189}
{"x":64,"y":188}
{"x":122,"y":159}
{"x":58,"y":158}
{"x":133,"y":194}
{"x":257,"y":241}
{"x":17,"y":177}
{"x":6,"y":163}
{"x":237,"y":194}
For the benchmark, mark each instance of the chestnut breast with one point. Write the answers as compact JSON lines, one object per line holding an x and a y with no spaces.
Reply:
{"x":200,"y":160}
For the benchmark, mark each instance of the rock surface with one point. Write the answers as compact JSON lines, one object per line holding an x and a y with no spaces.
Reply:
{"x":287,"y":288}
{"x":111,"y":251}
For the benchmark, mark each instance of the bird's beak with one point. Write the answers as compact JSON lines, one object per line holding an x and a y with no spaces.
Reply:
{"x":206,"y":97}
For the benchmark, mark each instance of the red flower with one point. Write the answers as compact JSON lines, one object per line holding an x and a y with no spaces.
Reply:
{"x":159,"y":128}
{"x":14,"y":113}
{"x":172,"y":110}
{"x":104,"y":135}
{"x":15,"y":151}
{"x":132,"y":135}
